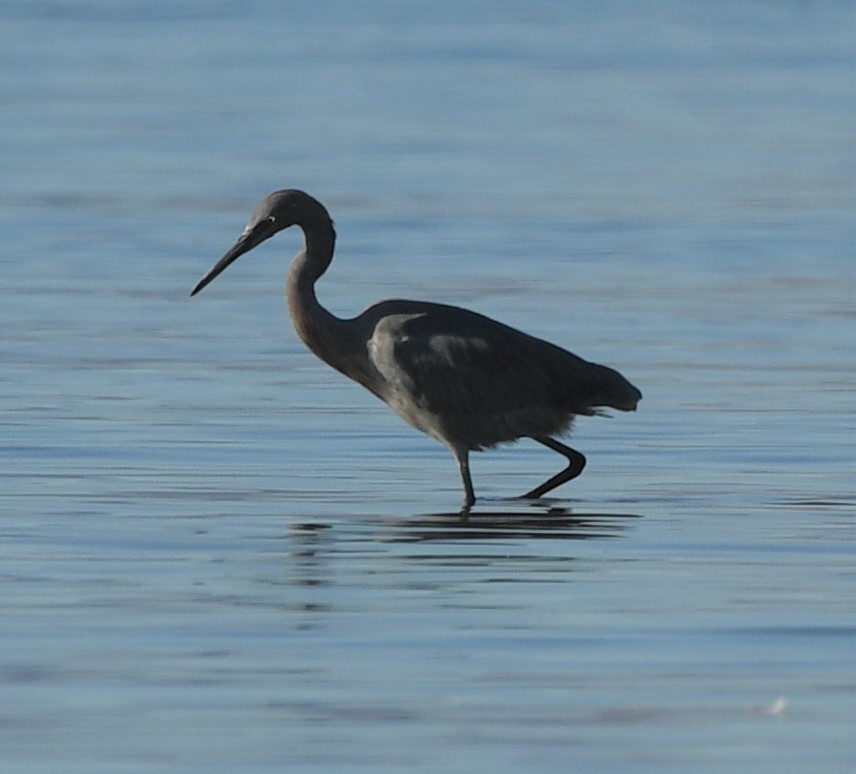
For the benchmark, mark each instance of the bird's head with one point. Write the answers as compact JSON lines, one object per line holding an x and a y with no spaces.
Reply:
{"x":277,"y":211}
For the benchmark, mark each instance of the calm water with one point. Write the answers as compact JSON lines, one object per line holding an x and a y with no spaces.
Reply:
{"x":219,"y":555}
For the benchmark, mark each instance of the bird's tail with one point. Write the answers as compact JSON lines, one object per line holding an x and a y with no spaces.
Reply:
{"x":608,"y":388}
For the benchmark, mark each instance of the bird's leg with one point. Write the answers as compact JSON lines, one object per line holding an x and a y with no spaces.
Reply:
{"x":463,"y":458}
{"x":576,"y":463}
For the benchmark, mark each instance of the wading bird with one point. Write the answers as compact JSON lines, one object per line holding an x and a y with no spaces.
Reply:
{"x":462,"y":378}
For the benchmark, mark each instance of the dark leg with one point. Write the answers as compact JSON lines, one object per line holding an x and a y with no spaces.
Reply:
{"x":576,"y":463}
{"x":463,"y":458}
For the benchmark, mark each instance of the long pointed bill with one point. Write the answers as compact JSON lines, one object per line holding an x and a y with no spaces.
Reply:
{"x":246,"y":242}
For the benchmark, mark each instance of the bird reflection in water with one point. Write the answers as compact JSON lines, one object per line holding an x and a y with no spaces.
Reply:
{"x":554,"y":522}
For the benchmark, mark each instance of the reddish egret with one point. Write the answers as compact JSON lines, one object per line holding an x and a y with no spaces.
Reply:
{"x":462,"y":378}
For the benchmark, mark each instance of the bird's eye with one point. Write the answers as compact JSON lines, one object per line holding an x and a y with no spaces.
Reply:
{"x":272,"y":218}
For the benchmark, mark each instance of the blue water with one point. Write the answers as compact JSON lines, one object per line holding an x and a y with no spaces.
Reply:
{"x":220,"y":555}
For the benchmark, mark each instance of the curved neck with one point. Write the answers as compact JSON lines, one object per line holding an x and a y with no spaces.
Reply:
{"x":333,"y":340}
{"x":313,"y":323}
{"x":317,"y":253}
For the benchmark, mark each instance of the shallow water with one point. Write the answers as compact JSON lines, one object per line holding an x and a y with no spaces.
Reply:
{"x":221,"y":555}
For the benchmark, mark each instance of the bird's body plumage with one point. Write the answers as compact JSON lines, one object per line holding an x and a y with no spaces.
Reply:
{"x":467,"y":380}
{"x":478,"y":381}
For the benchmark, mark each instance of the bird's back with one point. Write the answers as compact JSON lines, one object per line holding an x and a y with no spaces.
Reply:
{"x":472,"y":381}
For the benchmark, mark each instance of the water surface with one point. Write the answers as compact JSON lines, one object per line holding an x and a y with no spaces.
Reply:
{"x":220,"y":555}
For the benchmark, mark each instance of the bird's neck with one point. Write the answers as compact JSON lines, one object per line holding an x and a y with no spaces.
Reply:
{"x":329,"y":337}
{"x":314,"y":324}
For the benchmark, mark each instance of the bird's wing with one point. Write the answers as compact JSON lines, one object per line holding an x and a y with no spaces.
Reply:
{"x":450,"y":361}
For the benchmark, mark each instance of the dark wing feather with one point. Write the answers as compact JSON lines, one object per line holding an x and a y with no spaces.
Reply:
{"x":451,"y":362}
